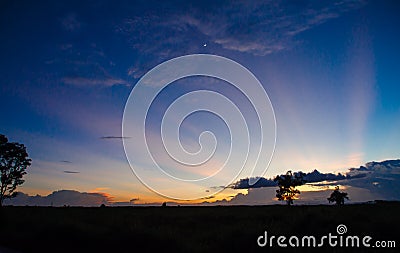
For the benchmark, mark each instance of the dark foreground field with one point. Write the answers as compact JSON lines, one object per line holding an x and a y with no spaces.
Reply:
{"x":189,"y":229}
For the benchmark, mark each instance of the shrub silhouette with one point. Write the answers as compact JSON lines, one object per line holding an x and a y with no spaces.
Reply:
{"x":287,"y":186}
{"x":13,"y":164}
{"x":338,"y":196}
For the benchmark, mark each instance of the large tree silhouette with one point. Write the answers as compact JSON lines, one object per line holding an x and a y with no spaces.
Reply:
{"x":287,"y":186}
{"x":13,"y":164}
{"x":338,"y":196}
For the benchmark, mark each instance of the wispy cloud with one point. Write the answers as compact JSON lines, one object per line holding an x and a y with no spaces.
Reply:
{"x":71,"y":23}
{"x":258,"y":28}
{"x":114,"y":137}
{"x":66,"y":46}
{"x":84,"y":81}
{"x":133,"y":200}
{"x":135,"y":72}
{"x":209,"y":197}
{"x":71,"y":172}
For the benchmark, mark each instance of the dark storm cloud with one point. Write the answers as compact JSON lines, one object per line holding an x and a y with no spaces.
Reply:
{"x":382,"y":178}
{"x":373,"y":181}
{"x":311,"y":177}
{"x":372,"y":174}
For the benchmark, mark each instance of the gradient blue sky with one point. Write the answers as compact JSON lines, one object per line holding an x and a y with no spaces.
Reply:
{"x":67,"y":68}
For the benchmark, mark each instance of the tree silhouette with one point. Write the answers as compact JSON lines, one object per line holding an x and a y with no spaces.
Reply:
{"x":13,"y":164}
{"x":287,"y":186}
{"x":338,"y":196}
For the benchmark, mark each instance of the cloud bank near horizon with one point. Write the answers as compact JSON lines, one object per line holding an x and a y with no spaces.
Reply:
{"x":61,"y":198}
{"x":374,"y":181}
{"x":375,"y":168}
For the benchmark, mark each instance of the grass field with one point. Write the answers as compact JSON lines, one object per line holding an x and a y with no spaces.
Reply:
{"x":190,"y":229}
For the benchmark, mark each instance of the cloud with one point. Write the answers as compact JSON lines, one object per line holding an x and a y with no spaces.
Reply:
{"x":258,"y":28}
{"x":209,"y":197}
{"x":314,"y":176}
{"x":66,"y":46}
{"x":61,"y":198}
{"x":371,"y":169}
{"x":135,"y":72}
{"x":262,"y":182}
{"x":98,"y":189}
{"x":85,"y":81}
{"x":71,"y":172}
{"x":65,"y":161}
{"x":134,"y":200}
{"x":374,"y":181}
{"x":86,"y":65}
{"x":71,"y":23}
{"x":382,"y":178}
{"x":114,"y":137}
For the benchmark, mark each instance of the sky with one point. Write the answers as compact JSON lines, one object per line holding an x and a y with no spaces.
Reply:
{"x":329,"y":68}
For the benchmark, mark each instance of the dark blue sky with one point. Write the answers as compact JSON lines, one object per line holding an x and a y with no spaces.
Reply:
{"x":67,"y":67}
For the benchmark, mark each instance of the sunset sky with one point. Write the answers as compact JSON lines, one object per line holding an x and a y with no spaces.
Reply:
{"x":330,"y":69}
